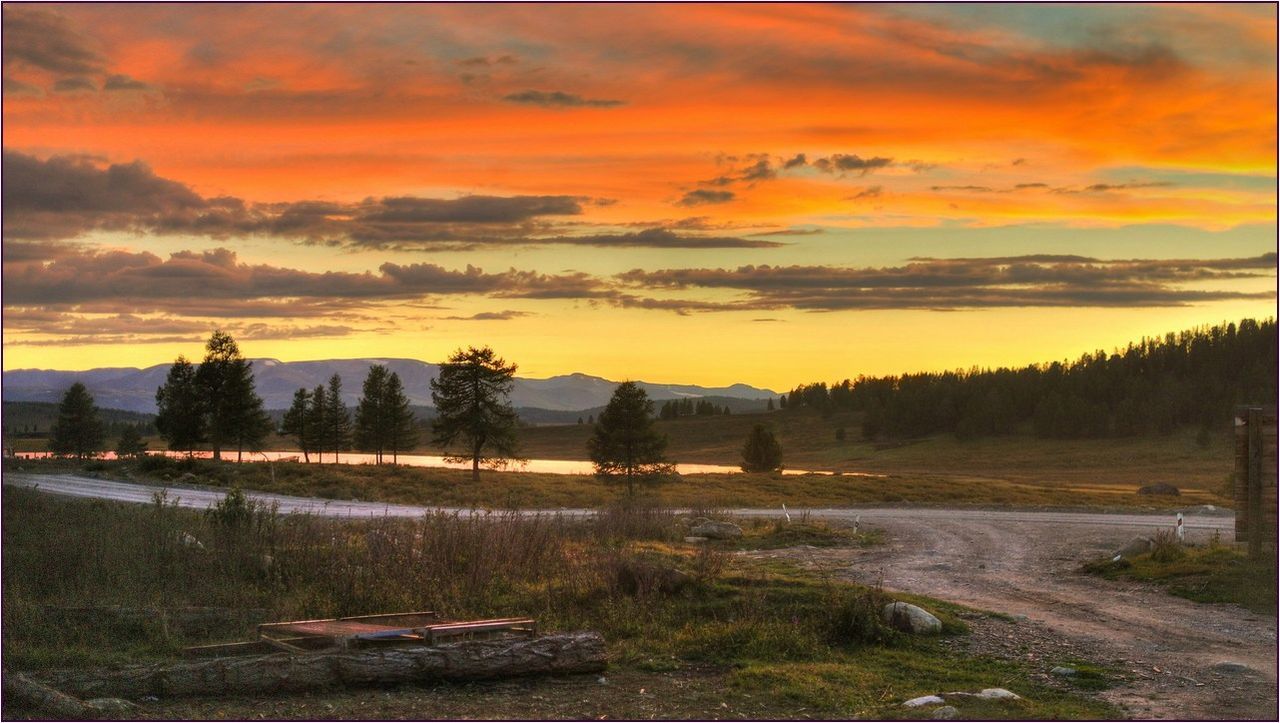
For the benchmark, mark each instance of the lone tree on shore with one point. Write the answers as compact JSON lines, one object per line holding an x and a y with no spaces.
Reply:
{"x":78,"y":430}
{"x":470,"y":397}
{"x":761,"y":453}
{"x":180,"y":408}
{"x":625,"y":445}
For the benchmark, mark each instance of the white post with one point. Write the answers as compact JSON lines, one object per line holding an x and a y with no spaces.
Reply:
{"x":1180,"y":527}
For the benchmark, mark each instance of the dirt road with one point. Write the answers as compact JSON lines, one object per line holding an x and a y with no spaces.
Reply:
{"x":1024,"y":564}
{"x":1021,"y":563}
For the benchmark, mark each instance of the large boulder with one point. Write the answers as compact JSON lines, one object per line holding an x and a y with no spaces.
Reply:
{"x":715,"y":530}
{"x":1159,"y":488}
{"x":911,"y":618}
{"x":1136,"y":546}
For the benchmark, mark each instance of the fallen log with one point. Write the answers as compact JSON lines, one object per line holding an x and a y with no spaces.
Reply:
{"x":582,"y":652}
{"x":23,"y":692}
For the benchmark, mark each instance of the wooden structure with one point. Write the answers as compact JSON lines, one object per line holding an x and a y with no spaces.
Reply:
{"x":420,"y":628}
{"x":1255,"y":479}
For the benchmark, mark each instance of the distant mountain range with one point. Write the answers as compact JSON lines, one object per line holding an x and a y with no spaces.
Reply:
{"x":135,"y":389}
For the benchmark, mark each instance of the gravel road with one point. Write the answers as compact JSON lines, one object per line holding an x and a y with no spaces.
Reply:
{"x":1021,"y":563}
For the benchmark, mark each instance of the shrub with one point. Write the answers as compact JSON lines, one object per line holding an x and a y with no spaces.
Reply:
{"x":1167,"y":548}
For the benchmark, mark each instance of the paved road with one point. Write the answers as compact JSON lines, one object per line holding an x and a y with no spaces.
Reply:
{"x":201,"y":498}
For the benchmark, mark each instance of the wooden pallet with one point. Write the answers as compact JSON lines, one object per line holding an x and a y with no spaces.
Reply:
{"x":303,"y":636}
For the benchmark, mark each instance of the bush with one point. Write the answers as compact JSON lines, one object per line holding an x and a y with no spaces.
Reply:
{"x":1167,"y":548}
{"x":853,"y":617}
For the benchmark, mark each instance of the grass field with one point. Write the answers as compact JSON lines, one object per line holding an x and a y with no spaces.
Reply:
{"x":1210,"y":573}
{"x":774,"y":640}
{"x":500,"y":490}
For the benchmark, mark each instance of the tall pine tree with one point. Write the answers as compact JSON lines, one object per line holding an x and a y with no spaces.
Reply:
{"x":337,"y":420}
{"x":470,"y":397}
{"x":180,"y":408}
{"x":625,"y":444}
{"x":296,"y":422}
{"x":78,"y":430}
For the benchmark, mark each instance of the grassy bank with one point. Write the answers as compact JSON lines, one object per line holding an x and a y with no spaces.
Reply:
{"x":785,"y":638}
{"x":497,"y":489}
{"x":1212,"y":573}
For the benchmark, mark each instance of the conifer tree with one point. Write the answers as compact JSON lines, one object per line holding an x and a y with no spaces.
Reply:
{"x":78,"y":430}
{"x":180,"y":418}
{"x":470,"y":397}
{"x":296,"y":422}
{"x":625,"y":445}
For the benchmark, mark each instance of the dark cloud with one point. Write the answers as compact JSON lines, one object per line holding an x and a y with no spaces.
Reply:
{"x":662,"y":238}
{"x":47,"y":41}
{"x":970,"y":189}
{"x":948,"y":284}
{"x":1103,"y":187}
{"x":703,"y":196}
{"x":468,"y":209}
{"x":210,"y":283}
{"x":66,"y":196}
{"x":75,"y":84}
{"x":483,"y":61}
{"x":558,"y":99}
{"x":1021,"y":186}
{"x":868,"y":192}
{"x":796,"y":161}
{"x":15,"y":88}
{"x":842,"y":163}
{"x":124,"y":328}
{"x":506,"y":315}
{"x":124,"y":82}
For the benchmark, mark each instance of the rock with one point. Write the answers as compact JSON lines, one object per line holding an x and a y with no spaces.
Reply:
{"x":923,"y":700}
{"x":188,"y":478}
{"x":1231,"y":668}
{"x":1064,"y":671}
{"x":693,"y":538}
{"x":1136,"y":546}
{"x":1159,"y":488}
{"x":189,"y":540}
{"x":716,"y":530}
{"x":112,"y":707}
{"x":946,"y":712}
{"x":911,"y":618}
{"x":998,"y":694}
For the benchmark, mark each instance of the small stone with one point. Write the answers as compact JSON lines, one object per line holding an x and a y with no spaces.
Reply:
{"x":716,"y":530}
{"x":695,"y":539}
{"x":923,"y":700}
{"x":946,"y":712}
{"x":602,"y":680}
{"x":1064,"y":671}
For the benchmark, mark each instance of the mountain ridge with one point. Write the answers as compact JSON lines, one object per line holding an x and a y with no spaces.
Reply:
{"x":133,"y":389}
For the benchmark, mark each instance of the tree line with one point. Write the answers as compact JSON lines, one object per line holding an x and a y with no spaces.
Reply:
{"x":687,"y":407}
{"x":1157,"y":385}
{"x":216,"y":403}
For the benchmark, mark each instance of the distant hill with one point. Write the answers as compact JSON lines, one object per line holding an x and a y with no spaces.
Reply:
{"x":135,"y":389}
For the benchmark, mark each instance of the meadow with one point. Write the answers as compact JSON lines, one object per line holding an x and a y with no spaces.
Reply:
{"x":772,"y":638}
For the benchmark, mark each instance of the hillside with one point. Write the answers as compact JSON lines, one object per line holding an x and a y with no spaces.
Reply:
{"x":135,"y":389}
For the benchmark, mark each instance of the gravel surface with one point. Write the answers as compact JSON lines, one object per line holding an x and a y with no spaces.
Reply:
{"x":1166,"y":649}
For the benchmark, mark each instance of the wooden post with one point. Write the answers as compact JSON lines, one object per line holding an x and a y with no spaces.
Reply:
{"x":1255,"y":484}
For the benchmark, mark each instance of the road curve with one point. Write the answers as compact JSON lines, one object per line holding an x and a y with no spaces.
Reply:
{"x":205,"y":497}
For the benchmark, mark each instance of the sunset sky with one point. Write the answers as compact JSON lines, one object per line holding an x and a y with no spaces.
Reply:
{"x":768,"y":194}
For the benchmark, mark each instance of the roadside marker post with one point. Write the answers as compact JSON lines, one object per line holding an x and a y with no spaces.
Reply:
{"x":1180,"y":527}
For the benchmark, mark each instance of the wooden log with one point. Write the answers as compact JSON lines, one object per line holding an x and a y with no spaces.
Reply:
{"x":23,"y":692}
{"x":582,"y":652}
